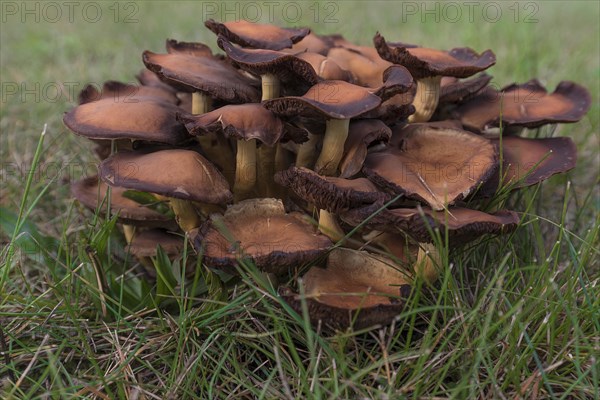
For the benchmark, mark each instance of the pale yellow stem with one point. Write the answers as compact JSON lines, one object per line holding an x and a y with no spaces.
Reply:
{"x":271,"y":86}
{"x":426,"y":99}
{"x":201,"y":103}
{"x":428,"y":263}
{"x":333,"y":147}
{"x":245,"y":168}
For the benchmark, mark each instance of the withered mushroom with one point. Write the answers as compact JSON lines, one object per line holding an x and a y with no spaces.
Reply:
{"x":188,"y":177}
{"x":435,"y":165}
{"x":528,"y":105}
{"x":259,"y":230}
{"x":429,"y":65}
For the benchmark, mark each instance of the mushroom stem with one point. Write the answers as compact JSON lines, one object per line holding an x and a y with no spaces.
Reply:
{"x":201,"y":103}
{"x":329,"y":226}
{"x":128,"y":232}
{"x":245,"y":168}
{"x":266,"y":170}
{"x":333,"y":146}
{"x":426,"y":98}
{"x":185,"y":213}
{"x":428,"y":263}
{"x":270,"y":86}
{"x":307,"y":151}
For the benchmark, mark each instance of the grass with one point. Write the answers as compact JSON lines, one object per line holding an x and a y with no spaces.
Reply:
{"x":512,"y":317}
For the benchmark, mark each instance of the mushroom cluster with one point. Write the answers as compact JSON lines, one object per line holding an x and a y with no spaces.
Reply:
{"x":313,"y":157}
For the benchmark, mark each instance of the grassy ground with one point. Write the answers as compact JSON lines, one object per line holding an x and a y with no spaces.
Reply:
{"x":512,"y":317}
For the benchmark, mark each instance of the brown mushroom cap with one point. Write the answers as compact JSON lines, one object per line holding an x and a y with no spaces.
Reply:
{"x":330,"y":193}
{"x":355,"y":289}
{"x":258,"y":36}
{"x":207,"y":74}
{"x":144,"y":119}
{"x":528,"y":105}
{"x":330,"y":99}
{"x":436,"y":165}
{"x":243,"y":121}
{"x":312,"y":43}
{"x":261,"y":231}
{"x":423,"y":62}
{"x":325,"y":67}
{"x":145,"y":243}
{"x":149,"y":78}
{"x":91,"y":193}
{"x":462,"y":224}
{"x":287,"y":67}
{"x":190,"y":48}
{"x":362,"y":133}
{"x":181,"y":174}
{"x":454,"y":90}
{"x":125,"y":93}
{"x":363,"y":63}
{"x":526,"y":162}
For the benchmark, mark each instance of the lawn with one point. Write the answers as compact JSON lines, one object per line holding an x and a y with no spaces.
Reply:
{"x":512,"y":317}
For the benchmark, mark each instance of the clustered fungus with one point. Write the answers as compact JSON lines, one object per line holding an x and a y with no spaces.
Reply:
{"x":389,"y":145}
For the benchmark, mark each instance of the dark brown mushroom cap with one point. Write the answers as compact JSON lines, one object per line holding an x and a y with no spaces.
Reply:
{"x":330,"y":193}
{"x":435,"y":165}
{"x":325,"y":67}
{"x":526,"y":162}
{"x":461,"y":224}
{"x":361,"y":134}
{"x":257,"y":36}
{"x":210,"y":75}
{"x":93,"y":193}
{"x":330,"y":99}
{"x":259,"y":230}
{"x":125,"y":93}
{"x":181,"y":174}
{"x":261,"y":61}
{"x":423,"y":62}
{"x":454,"y":90}
{"x":312,"y":43}
{"x":528,"y":105}
{"x":145,"y":243}
{"x":355,"y":289}
{"x":143,"y":119}
{"x":243,"y":121}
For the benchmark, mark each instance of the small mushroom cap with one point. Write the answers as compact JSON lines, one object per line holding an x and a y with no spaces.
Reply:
{"x":143,"y":119}
{"x":363,"y":63}
{"x":149,"y":78}
{"x":261,"y":231}
{"x":191,"y":48}
{"x":461,"y":224}
{"x":330,"y":193}
{"x":423,"y":62}
{"x":92,"y":193}
{"x":355,"y":289}
{"x":145,"y":243}
{"x":528,"y":105}
{"x":312,"y":43}
{"x":435,"y":165}
{"x":125,"y":93}
{"x":325,"y":67}
{"x":330,"y":99}
{"x":527,"y":162}
{"x":362,"y":133}
{"x":182,"y":174}
{"x":258,"y":36}
{"x":207,"y":74}
{"x":243,"y":121}
{"x":454,"y":90}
